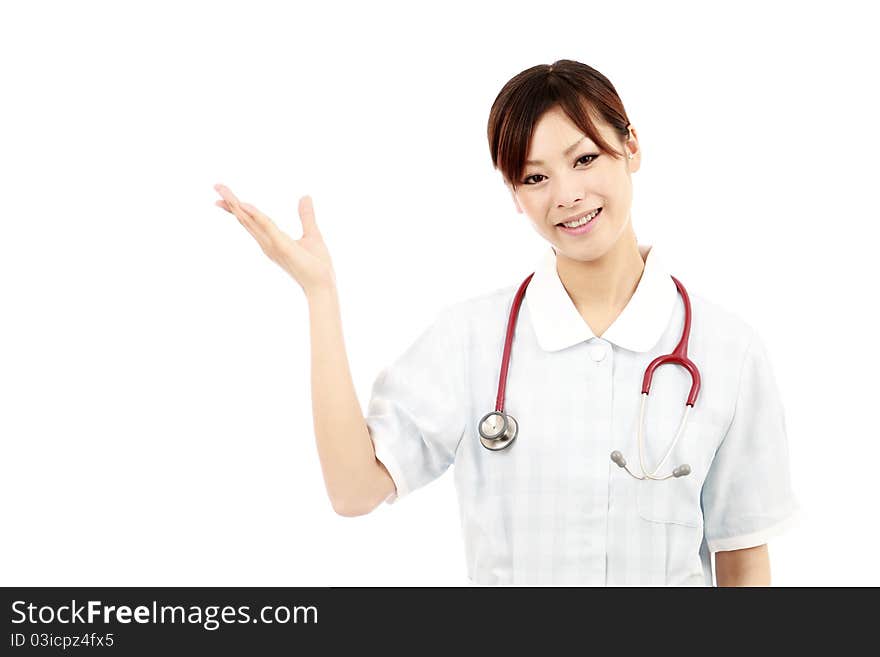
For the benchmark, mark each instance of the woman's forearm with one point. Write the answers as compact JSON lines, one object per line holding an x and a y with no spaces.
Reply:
{"x":345,"y":449}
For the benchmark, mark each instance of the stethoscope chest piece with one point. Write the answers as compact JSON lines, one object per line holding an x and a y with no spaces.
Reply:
{"x":497,"y":430}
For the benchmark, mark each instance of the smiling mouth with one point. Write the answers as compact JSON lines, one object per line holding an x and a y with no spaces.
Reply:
{"x":592,"y":215}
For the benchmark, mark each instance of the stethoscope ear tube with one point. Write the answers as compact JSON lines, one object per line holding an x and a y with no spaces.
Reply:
{"x":497,"y":429}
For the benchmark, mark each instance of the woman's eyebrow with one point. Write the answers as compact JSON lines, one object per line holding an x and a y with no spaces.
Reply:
{"x":565,"y":152}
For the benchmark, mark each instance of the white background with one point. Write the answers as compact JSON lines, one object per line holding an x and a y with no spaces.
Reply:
{"x":155,"y":408}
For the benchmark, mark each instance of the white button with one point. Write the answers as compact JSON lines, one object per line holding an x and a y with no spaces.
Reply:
{"x":598,"y":352}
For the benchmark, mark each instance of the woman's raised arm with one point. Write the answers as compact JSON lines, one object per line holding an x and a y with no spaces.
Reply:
{"x":356,"y":481}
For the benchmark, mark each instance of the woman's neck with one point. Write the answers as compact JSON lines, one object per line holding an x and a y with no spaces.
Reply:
{"x":601,"y":288}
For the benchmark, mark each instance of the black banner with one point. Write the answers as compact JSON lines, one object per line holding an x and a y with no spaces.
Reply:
{"x":135,"y":621}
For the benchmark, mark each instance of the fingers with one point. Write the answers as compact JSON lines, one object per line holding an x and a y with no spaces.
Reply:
{"x":262,"y":220}
{"x":231,"y":204}
{"x":256,"y":221}
{"x":307,"y":216}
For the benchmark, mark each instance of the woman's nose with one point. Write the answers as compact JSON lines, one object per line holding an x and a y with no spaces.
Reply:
{"x":568,"y":193}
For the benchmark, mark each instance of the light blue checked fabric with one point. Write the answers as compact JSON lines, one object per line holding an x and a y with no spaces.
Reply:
{"x":553,"y":509}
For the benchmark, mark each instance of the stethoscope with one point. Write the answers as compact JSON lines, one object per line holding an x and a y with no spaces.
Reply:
{"x":498,"y":429}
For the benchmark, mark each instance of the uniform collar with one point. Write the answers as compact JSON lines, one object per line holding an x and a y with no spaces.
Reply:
{"x":639,"y":327}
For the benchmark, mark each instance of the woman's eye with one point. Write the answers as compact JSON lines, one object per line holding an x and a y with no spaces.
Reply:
{"x":583,"y":156}
{"x":538,"y":175}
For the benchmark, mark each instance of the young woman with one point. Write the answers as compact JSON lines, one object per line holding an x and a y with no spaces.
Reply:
{"x":572,"y":466}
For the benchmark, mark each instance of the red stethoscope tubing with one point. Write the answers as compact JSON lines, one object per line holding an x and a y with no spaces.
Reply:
{"x":677,"y":357}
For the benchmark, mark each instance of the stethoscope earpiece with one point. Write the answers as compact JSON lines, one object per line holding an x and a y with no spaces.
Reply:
{"x":683,"y":470}
{"x":497,"y":430}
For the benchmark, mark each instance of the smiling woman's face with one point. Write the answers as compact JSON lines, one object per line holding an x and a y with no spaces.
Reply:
{"x":573,"y":183}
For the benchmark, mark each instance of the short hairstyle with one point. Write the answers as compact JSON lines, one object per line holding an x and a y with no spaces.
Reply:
{"x":582,"y":92}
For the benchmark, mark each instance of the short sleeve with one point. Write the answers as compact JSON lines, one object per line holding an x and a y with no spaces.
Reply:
{"x":747,"y":496}
{"x":416,"y":415}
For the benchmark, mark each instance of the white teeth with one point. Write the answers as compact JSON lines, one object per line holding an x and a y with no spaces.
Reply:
{"x":581,"y":222}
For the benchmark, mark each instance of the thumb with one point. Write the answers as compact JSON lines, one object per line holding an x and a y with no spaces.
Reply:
{"x":307,"y":216}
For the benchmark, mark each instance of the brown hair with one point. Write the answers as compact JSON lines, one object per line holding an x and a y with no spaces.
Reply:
{"x":582,"y":92}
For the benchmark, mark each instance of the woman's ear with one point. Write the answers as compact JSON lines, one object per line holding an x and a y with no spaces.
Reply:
{"x":631,"y":146}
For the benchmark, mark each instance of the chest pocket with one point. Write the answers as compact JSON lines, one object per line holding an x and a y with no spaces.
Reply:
{"x":674,"y":500}
{"x":677,"y":499}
